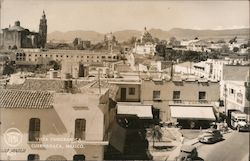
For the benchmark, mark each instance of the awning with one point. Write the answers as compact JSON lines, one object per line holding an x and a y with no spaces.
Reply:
{"x":187,"y":112}
{"x":142,"y":111}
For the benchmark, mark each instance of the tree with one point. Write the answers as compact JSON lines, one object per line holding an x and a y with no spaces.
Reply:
{"x":225,"y":49}
{"x":156,"y":134}
{"x":54,"y":64}
{"x":173,"y":41}
{"x":221,"y":41}
{"x":147,"y":37}
{"x":156,"y":40}
{"x":132,"y":40}
{"x":236,"y":49}
{"x":160,"y":49}
{"x":75,"y":42}
{"x":233,"y":40}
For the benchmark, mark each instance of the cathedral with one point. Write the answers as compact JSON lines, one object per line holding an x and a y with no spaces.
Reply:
{"x":16,"y":37}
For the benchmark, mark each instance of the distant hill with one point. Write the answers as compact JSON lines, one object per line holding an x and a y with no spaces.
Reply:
{"x":71,"y":35}
{"x":189,"y":33}
{"x":124,"y":35}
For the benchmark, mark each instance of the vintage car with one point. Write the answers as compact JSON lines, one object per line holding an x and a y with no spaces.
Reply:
{"x":210,"y":136}
{"x":188,"y":153}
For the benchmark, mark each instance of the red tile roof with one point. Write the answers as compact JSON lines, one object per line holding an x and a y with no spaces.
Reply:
{"x":26,"y":99}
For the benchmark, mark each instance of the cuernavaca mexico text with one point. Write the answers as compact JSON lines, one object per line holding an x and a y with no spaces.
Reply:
{"x":165,"y":80}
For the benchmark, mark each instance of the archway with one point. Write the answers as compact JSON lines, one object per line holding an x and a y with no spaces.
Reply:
{"x":56,"y":158}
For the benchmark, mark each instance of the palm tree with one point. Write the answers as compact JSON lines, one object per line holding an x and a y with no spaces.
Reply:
{"x":156,"y":134}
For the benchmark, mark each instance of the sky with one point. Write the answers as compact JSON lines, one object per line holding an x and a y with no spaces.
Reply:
{"x":110,"y":15}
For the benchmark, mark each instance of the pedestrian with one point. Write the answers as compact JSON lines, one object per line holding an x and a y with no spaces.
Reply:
{"x":182,"y":139}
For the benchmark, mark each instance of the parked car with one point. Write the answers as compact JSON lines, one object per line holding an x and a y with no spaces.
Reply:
{"x":211,"y":136}
{"x":188,"y":153}
{"x":245,"y":128}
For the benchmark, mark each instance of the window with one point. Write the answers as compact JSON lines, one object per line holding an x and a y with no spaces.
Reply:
{"x":56,"y":55}
{"x":80,"y":128}
{"x":231,"y":91}
{"x":33,"y":157}
{"x":109,"y":57}
{"x":78,"y":157}
{"x":176,"y":95}
{"x":34,"y":129}
{"x":103,"y":57}
{"x":156,"y":95}
{"x":202,"y":95}
{"x":131,"y":91}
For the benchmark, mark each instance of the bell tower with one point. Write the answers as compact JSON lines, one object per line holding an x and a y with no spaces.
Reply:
{"x":43,"y":30}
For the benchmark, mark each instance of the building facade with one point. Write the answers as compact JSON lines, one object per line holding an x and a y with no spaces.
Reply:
{"x":54,"y":126}
{"x":164,"y":94}
{"x":235,"y":88}
{"x":35,"y":56}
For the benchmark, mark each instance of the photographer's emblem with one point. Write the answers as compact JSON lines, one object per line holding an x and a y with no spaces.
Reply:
{"x":13,"y":137}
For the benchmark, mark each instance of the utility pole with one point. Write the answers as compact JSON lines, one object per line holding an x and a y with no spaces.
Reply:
{"x":99,"y":81}
{"x":225,"y":99}
{"x":172,"y":70}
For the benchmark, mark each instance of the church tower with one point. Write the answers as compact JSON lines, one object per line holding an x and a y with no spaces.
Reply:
{"x":43,"y":30}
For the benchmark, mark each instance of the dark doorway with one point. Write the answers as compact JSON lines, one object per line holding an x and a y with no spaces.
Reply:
{"x":123,"y":94}
{"x":78,"y":158}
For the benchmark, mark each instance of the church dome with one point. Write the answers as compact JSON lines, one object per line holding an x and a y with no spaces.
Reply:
{"x":16,"y":27}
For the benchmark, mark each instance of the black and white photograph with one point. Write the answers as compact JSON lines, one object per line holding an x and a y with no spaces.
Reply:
{"x":156,"y":80}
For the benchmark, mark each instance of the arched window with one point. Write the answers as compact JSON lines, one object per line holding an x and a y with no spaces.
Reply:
{"x":78,"y":157}
{"x":80,"y":129}
{"x":34,"y":129}
{"x":33,"y":157}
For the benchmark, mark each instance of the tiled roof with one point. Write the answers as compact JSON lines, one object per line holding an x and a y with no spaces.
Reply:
{"x":26,"y":99}
{"x":43,"y":85}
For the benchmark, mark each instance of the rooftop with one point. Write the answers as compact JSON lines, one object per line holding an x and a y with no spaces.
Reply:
{"x":26,"y":99}
{"x":56,"y":51}
{"x":236,"y":72}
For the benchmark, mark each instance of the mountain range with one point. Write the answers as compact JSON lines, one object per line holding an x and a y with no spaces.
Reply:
{"x":125,"y":35}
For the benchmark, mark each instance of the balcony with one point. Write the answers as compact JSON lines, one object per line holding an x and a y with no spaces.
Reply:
{"x":188,"y":102}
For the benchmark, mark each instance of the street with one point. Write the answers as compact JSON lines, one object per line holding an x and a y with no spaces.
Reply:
{"x":235,"y":147}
